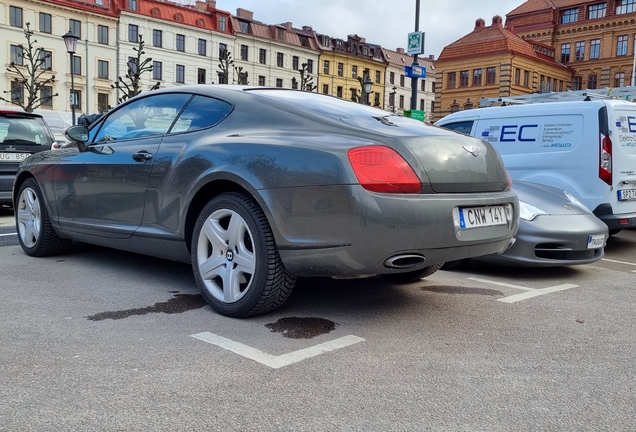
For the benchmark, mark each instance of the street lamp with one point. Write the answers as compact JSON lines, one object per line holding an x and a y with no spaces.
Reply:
{"x":393,"y":98}
{"x":70,"y":39}
{"x":366,"y":86}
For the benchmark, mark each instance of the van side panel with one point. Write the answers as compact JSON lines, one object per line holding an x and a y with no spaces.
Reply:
{"x":622,"y":124}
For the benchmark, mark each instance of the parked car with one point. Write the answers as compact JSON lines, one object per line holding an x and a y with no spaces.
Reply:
{"x":555,"y":229}
{"x":258,"y":186}
{"x":21,"y":135}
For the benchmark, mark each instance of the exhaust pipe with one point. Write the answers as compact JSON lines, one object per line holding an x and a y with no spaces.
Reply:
{"x":405,"y":261}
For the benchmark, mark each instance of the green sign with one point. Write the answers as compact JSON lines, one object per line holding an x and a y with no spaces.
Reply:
{"x":415,"y":43}
{"x":415,"y":114}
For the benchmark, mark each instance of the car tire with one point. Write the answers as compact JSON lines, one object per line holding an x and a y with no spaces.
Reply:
{"x":413,"y":276}
{"x":35,"y":232}
{"x":235,"y":259}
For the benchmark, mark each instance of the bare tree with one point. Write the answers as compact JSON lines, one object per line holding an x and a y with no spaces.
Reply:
{"x":226,"y":63}
{"x":130,"y":85}
{"x":306,"y":80}
{"x":32,"y":67}
{"x":241,"y":77}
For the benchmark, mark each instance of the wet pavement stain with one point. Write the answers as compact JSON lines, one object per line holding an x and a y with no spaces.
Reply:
{"x":178,"y":304}
{"x":463,"y":290}
{"x":302,"y":328}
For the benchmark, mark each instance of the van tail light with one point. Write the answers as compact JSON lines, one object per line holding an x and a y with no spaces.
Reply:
{"x":382,"y":169}
{"x":605,"y":165}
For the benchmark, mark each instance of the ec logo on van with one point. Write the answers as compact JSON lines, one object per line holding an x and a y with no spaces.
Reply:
{"x":626,"y":123}
{"x":510,"y":133}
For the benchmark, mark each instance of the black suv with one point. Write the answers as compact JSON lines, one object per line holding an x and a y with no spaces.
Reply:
{"x":21,"y":134}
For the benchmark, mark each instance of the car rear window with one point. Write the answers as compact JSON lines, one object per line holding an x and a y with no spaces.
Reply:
{"x":24,"y":130}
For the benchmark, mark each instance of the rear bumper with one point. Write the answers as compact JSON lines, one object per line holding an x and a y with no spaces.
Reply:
{"x":615,"y":222}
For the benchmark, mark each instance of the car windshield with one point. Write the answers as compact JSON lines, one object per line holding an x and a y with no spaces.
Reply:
{"x":24,"y":130}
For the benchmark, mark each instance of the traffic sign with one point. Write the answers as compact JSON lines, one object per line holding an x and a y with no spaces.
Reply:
{"x":415,"y":71}
{"x":415,"y":43}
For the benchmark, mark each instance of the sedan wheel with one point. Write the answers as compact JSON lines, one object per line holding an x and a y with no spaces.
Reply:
{"x":235,"y":260}
{"x":35,"y":232}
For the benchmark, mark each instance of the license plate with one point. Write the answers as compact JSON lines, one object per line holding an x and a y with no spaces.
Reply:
{"x":596,"y":241}
{"x":626,"y":194}
{"x":475,"y":217}
{"x":13,"y":157}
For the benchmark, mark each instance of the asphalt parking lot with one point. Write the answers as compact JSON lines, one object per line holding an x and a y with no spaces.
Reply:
{"x":105,"y":340}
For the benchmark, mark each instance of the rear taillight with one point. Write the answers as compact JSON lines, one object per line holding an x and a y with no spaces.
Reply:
{"x":605,"y":163}
{"x":382,"y":169}
{"x":509,"y":188}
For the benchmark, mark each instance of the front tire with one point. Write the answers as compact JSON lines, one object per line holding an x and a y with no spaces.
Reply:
{"x":35,"y":233}
{"x":235,"y":259}
{"x":413,"y":276}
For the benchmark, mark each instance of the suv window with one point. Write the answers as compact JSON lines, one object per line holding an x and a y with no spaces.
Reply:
{"x":463,"y":127}
{"x":17,"y":129}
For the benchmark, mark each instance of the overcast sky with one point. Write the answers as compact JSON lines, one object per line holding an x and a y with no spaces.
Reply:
{"x":383,"y":22}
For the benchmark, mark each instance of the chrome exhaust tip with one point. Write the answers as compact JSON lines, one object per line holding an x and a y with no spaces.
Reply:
{"x":405,"y":261}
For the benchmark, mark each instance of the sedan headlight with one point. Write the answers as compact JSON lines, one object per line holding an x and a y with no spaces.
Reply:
{"x":529,"y":212}
{"x":576,"y":202}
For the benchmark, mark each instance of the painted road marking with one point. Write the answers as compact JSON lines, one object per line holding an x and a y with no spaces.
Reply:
{"x":530,"y":292}
{"x":273,"y":361}
{"x":2,"y":235}
{"x":619,"y":262}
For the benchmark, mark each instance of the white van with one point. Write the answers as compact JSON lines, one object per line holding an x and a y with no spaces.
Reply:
{"x":587,"y":148}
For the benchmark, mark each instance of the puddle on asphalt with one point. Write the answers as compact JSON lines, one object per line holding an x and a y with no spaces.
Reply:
{"x":463,"y":290}
{"x":302,"y":328}
{"x":178,"y":304}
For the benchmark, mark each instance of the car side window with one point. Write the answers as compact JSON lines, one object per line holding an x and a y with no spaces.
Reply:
{"x":152,"y":115}
{"x":201,"y":112}
{"x":463,"y":127}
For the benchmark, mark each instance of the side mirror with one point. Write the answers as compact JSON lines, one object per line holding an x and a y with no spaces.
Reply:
{"x":77,"y":134}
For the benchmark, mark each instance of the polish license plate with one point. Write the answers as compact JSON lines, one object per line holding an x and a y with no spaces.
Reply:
{"x":596,"y":241}
{"x":13,"y":157}
{"x":475,"y":217}
{"x":626,"y":194}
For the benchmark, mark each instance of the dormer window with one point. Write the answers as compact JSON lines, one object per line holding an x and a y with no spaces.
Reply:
{"x":569,"y":15}
{"x":244,"y":26}
{"x":596,"y":11}
{"x":365,"y":51}
{"x":281,"y":34}
{"x":339,"y":44}
{"x":325,"y":41}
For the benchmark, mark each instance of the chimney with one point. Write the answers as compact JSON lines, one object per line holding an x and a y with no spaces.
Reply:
{"x":212,"y":4}
{"x":497,"y":21}
{"x":431,"y":57}
{"x":510,"y":27}
{"x":363,"y":40}
{"x":245,"y":14}
{"x":400,"y":50}
{"x":202,"y":6}
{"x":480,"y":24}
{"x":287,"y":25}
{"x":307,"y":28}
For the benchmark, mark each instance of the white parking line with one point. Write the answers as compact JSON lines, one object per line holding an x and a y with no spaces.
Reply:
{"x":501,"y":284}
{"x":535,"y":293}
{"x":618,"y":262}
{"x":273,"y":361}
{"x":9,"y":234}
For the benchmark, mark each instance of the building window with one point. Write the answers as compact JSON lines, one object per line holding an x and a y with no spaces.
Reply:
{"x":15,"y":16}
{"x":102,"y":102}
{"x":157,"y":70}
{"x":596,"y":11}
{"x":339,"y":44}
{"x":454,"y":108}
{"x":102,"y":34}
{"x":279,"y":82}
{"x":354,"y":95}
{"x":339,"y":92}
{"x":76,"y":65}
{"x":625,"y":6}
{"x":261,"y":80}
{"x":325,"y":41}
{"x":76,"y":99}
{"x":340,"y":69}
{"x":325,"y":89}
{"x":132,"y":5}
{"x":392,"y":77}
{"x":133,"y":33}
{"x":401,"y":80}
{"x":181,"y":43}
{"x":223,"y":79}
{"x":619,"y":79}
{"x":280,"y":59}
{"x":244,"y":52}
{"x":157,"y":38}
{"x":102,"y":69}
{"x":203,"y":47}
{"x":477,"y":77}
{"x":280,"y":33}
{"x":468,"y":106}
{"x":579,"y":51}
{"x":45,"y":23}
{"x":222,"y":23}
{"x":401,"y":101}
{"x":577,"y":83}
{"x":565,"y":53}
{"x":222,"y":49}
{"x":325,"y":67}
{"x":200,"y":76}
{"x":47,"y":60}
{"x":17,"y":92}
{"x":295,"y":62}
{"x":46,"y":95}
{"x":354,"y":71}
{"x":180,"y":74}
{"x":591,"y":82}
{"x":569,"y":15}
{"x":526,"y":78}
{"x":451,"y":80}
{"x":423,"y":85}
{"x":463,"y":78}
{"x":491,"y":75}
{"x":621,"y":47}
{"x":76,"y":27}
{"x":517,"y":76}
{"x":422,"y":104}
{"x":378,"y":77}
{"x":17,"y":55}
{"x":244,"y":26}
{"x":310,"y":66}
{"x":432,"y":107}
{"x":262,"y":56}
{"x":595,"y":48}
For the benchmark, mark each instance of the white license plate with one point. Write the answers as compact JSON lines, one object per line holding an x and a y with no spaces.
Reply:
{"x":13,"y":157}
{"x":626,"y":194}
{"x":475,"y":217}
{"x":596,"y":241}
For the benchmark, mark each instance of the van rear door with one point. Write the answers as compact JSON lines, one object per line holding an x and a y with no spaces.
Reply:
{"x":622,"y":125}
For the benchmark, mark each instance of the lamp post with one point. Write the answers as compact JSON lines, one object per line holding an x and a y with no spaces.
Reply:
{"x":366,"y":88}
{"x":393,"y":93}
{"x":414,"y":80}
{"x":70,"y":39}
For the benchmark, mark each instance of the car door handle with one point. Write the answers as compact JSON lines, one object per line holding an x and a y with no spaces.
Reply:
{"x":142,"y":156}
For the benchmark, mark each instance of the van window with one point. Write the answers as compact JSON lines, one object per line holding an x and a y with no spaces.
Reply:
{"x":463,"y":127}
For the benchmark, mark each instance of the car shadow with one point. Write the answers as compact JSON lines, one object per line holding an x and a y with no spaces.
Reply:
{"x":518,"y":273}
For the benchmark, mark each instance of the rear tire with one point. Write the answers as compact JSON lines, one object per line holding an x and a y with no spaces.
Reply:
{"x":413,"y":276}
{"x":235,"y":259}
{"x":35,"y":233}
